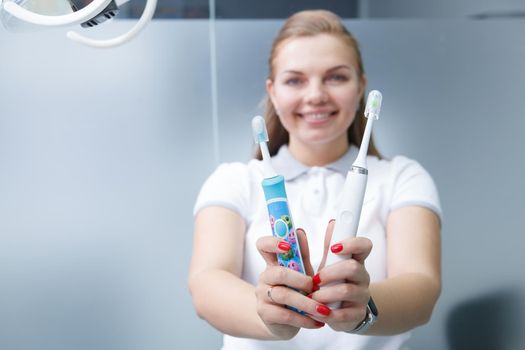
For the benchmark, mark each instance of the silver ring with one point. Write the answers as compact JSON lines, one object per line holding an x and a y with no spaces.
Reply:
{"x":269,"y":294}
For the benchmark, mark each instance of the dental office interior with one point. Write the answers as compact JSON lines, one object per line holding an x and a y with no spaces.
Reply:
{"x":103,"y":152}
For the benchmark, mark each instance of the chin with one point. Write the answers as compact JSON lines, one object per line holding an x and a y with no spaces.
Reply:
{"x":320,"y":139}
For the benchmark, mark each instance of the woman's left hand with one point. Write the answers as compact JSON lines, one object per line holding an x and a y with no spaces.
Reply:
{"x":352,"y":280}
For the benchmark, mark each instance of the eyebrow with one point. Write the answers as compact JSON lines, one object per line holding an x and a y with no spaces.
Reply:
{"x":291,"y":71}
{"x":341,"y":66}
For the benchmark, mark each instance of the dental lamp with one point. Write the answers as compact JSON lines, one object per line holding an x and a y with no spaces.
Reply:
{"x":90,"y":15}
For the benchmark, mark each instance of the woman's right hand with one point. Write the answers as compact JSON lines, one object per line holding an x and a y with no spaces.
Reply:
{"x":273,"y":292}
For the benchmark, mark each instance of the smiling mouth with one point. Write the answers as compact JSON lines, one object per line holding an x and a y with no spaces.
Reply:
{"x":317,"y":117}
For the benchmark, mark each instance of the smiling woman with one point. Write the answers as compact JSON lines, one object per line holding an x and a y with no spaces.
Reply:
{"x":316,"y":88}
{"x":315,"y":104}
{"x":339,"y":69}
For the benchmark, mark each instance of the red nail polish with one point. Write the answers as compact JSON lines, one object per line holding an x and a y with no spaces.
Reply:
{"x":336,"y":248}
{"x":316,"y":279}
{"x":315,"y":288}
{"x":319,"y":324}
{"x":323,"y":310}
{"x":309,"y":295}
{"x":284,"y":246}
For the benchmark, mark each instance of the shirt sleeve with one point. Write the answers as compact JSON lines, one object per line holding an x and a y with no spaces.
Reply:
{"x":228,"y":187}
{"x":413,"y":186}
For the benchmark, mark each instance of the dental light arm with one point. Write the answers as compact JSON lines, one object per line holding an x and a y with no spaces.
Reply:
{"x":77,"y":17}
{"x":83,"y":15}
{"x":146,"y":17}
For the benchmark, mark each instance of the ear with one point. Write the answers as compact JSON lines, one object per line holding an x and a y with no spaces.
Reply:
{"x":270,"y":90}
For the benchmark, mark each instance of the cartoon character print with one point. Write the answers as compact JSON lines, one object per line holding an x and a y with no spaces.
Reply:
{"x":291,"y":238}
{"x":288,"y":255}
{"x":294,"y":266}
{"x":288,"y":220}
{"x":272,"y":221}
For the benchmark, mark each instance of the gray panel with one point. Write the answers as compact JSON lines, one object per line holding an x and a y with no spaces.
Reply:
{"x":102,"y":153}
{"x":441,"y":9}
{"x":95,"y":202}
{"x":452,"y":93}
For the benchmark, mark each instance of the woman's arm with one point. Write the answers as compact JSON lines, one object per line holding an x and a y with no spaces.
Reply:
{"x":219,"y":295}
{"x":407,"y":297}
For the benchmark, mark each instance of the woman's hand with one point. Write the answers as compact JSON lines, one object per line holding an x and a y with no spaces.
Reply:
{"x":349,"y":280}
{"x":273,"y":292}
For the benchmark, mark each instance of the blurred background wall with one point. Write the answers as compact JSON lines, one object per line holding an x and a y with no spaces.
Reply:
{"x":102,"y":153}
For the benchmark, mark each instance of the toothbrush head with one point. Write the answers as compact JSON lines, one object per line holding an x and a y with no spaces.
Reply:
{"x":260,"y":134}
{"x":373,"y":104}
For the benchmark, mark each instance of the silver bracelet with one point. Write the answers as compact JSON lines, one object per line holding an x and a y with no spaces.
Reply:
{"x":368,"y":321}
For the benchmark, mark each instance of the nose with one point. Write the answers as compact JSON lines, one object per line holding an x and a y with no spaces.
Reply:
{"x":316,"y":93}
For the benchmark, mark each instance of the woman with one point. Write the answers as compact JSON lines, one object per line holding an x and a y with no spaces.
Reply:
{"x":315,"y":119}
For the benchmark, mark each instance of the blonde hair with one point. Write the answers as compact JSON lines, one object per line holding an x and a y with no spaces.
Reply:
{"x":304,"y":24}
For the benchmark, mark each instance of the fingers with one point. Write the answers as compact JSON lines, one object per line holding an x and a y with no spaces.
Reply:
{"x":353,"y":294}
{"x":357,"y":247}
{"x":279,"y":275}
{"x":347,"y":318}
{"x":279,"y":296}
{"x":268,"y":246}
{"x":277,"y":290}
{"x":274,"y":314}
{"x":346,"y":280}
{"x":349,"y":270}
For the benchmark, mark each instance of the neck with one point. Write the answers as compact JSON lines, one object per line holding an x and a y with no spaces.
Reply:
{"x":318,"y":154}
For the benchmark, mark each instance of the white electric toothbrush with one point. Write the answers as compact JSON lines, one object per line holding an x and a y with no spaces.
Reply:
{"x":349,"y":211}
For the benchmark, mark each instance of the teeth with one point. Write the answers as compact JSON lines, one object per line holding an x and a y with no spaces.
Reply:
{"x":316,"y":116}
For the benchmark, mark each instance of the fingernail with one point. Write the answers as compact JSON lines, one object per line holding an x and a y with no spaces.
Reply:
{"x":309,"y":295}
{"x":323,"y":310}
{"x":319,"y":324}
{"x":331,"y":220}
{"x":297,"y":229}
{"x":284,"y":246}
{"x":336,"y":248}
{"x":316,"y":279}
{"x":315,"y":288}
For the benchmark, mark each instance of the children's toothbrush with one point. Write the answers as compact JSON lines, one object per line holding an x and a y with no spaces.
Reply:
{"x":277,"y":202}
{"x":349,"y":211}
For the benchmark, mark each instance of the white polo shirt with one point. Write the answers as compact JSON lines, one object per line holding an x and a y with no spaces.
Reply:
{"x":313,"y":195}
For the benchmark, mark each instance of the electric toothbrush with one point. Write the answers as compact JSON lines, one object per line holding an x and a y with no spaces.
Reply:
{"x":349,"y":211}
{"x":277,"y":203}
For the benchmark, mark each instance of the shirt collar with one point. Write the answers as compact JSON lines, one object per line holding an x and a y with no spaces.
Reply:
{"x":288,"y":166}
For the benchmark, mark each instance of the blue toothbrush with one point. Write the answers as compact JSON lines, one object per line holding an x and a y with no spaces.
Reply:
{"x":281,"y":220}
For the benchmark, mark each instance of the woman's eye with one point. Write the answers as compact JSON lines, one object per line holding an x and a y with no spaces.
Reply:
{"x":337,"y":77}
{"x":293,"y":81}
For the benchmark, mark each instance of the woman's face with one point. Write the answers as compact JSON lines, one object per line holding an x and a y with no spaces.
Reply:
{"x":316,"y":89}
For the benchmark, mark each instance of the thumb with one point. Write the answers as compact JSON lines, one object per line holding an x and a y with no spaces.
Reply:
{"x":327,"y":240}
{"x":305,"y":251}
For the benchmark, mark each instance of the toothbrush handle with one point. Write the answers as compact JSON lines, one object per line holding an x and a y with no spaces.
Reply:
{"x":282,"y":223}
{"x":348,"y":214}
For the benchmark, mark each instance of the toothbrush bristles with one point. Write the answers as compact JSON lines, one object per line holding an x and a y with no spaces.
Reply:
{"x":259,"y":129}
